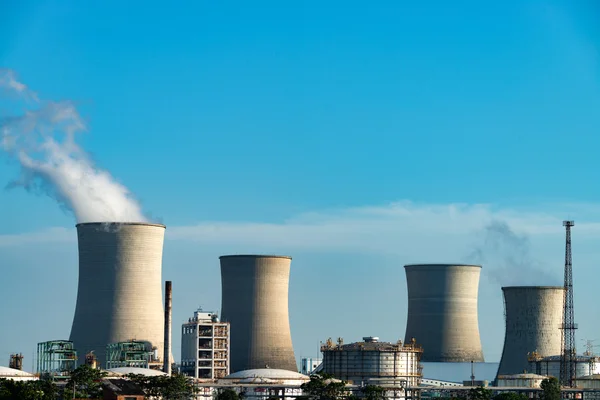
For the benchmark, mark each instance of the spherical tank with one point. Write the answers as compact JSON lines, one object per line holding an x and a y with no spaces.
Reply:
{"x":119,"y":296}
{"x":442,"y":311}
{"x":255,"y":303}
{"x":533,"y":321}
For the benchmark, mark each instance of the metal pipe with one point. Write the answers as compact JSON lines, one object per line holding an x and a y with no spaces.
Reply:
{"x":167,"y":341}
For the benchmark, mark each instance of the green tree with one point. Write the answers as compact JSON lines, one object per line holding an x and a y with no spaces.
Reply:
{"x":21,"y":390}
{"x":480,"y":393}
{"x":510,"y":396}
{"x":551,"y":389}
{"x":324,"y":387}
{"x":175,"y":387}
{"x":227,"y":394}
{"x":373,"y":392}
{"x":85,"y":382}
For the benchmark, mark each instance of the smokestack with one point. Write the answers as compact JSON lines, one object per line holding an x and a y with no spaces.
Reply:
{"x":533,"y":321}
{"x":167,"y":350}
{"x":119,"y":296}
{"x":255,"y":303}
{"x":442,"y":311}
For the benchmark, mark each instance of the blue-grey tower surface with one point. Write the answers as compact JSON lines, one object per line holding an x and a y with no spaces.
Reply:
{"x":533,"y":320}
{"x":119,"y":296}
{"x":255,"y":303}
{"x":442,"y":311}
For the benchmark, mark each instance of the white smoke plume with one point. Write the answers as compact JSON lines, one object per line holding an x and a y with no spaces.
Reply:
{"x":41,"y":135}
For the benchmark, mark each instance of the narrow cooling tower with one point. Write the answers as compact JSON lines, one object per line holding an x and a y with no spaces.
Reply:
{"x":119,"y":297}
{"x":533,"y":320}
{"x":255,"y":303}
{"x":442,"y":311}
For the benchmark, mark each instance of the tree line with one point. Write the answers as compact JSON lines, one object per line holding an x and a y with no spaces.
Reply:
{"x":86,"y":383}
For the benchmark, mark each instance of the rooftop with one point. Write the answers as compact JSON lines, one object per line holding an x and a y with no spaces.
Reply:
{"x":122,"y":386}
{"x":268,"y":373}
{"x":5,"y":371}
{"x":136,"y":371}
{"x":254,"y":256}
{"x":120,"y":223}
{"x":442,"y":265}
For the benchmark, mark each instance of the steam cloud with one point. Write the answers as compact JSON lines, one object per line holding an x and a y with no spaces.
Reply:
{"x":507,"y":258}
{"x":40,"y":135}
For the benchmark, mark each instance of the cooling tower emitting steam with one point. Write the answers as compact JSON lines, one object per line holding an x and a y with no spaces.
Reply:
{"x":40,"y":135}
{"x":119,"y":296}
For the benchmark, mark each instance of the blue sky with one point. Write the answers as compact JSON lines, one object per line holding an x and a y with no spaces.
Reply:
{"x":339,"y":133}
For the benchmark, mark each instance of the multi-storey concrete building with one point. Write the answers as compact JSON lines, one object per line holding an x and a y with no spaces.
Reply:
{"x":205,"y":346}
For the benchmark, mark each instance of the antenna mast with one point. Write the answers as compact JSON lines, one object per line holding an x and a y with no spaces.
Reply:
{"x":568,"y":357}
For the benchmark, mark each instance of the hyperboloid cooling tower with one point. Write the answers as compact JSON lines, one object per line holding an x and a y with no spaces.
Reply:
{"x":119,"y":296}
{"x":533,"y":321}
{"x":255,"y":303}
{"x":442,"y":311}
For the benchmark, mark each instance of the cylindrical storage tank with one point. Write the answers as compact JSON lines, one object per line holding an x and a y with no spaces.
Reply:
{"x":255,"y":303}
{"x":533,"y":320}
{"x":376,"y":363}
{"x":442,"y":311}
{"x":119,"y":296}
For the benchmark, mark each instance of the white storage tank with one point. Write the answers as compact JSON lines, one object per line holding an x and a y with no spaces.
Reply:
{"x":373,"y":362}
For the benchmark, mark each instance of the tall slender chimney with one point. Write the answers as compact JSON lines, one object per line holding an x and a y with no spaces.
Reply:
{"x":167,"y":349}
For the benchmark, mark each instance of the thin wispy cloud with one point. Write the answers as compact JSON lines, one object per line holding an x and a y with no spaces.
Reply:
{"x":11,"y":85}
{"x":398,"y":228}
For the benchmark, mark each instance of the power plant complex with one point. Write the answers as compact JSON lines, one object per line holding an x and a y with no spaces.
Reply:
{"x":120,"y":324}
{"x":442,"y":311}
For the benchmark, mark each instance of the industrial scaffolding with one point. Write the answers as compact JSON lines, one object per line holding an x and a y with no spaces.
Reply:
{"x":132,"y":353}
{"x":56,"y":358}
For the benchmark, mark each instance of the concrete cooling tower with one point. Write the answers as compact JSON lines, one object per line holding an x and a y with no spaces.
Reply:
{"x":119,"y":296}
{"x":442,"y":311}
{"x":533,"y":320}
{"x":255,"y":303}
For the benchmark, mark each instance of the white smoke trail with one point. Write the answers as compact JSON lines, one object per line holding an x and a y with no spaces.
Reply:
{"x":42,"y":139}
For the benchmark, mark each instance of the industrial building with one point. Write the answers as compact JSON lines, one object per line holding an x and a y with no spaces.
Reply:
{"x":586,"y":365}
{"x":371,"y":362}
{"x":132,"y":353}
{"x":56,"y":358}
{"x":308,"y":365}
{"x":16,"y":361}
{"x":119,"y":296}
{"x":442,"y":311}
{"x":205,"y":346}
{"x":255,"y":303}
{"x":524,"y":380}
{"x":533,"y":316}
